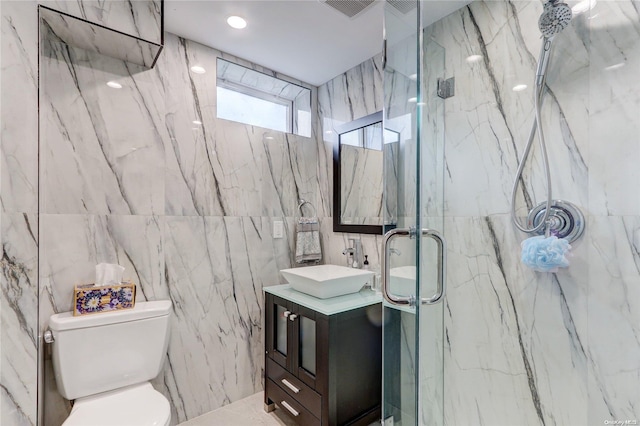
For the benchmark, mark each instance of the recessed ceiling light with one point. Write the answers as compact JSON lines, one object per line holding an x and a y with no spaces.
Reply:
{"x":114,"y":85}
{"x":198,"y":122}
{"x":236,"y":22}
{"x":198,"y":69}
{"x":412,"y":100}
{"x":519,"y":87}
{"x":269,"y":137}
{"x":473,"y":58}
{"x":413,"y":76}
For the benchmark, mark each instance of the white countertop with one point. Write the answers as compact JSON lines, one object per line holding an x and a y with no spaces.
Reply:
{"x":331,"y":306}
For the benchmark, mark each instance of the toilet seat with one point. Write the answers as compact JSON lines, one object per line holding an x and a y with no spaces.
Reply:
{"x":137,"y":405}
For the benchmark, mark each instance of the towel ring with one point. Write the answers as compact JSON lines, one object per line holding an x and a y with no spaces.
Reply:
{"x":302,"y":203}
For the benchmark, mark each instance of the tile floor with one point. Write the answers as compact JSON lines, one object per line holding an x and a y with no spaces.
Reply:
{"x":246,"y":412}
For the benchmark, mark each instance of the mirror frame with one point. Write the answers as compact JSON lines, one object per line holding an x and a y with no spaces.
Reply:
{"x":376,"y":117}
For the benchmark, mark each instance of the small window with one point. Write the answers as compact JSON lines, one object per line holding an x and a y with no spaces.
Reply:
{"x":248,"y":96}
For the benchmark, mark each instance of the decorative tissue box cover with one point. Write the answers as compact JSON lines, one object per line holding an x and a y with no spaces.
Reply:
{"x":91,"y":299}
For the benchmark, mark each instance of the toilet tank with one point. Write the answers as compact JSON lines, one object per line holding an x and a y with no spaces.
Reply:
{"x":101,"y":352}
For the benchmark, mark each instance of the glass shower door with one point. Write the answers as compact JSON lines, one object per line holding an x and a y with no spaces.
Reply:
{"x":414,"y":251}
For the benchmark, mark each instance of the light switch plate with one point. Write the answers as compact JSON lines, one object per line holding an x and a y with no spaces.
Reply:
{"x":278,"y":229}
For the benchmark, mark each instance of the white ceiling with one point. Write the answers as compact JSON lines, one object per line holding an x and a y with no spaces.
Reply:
{"x":304,"y":39}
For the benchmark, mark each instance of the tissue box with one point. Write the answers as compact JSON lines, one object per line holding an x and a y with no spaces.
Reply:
{"x":91,"y":299}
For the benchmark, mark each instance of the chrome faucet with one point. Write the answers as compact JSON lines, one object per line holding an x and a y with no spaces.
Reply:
{"x":356,"y":252}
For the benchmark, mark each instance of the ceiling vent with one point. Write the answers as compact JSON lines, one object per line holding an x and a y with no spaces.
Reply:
{"x":403,"y":6}
{"x":349,"y":8}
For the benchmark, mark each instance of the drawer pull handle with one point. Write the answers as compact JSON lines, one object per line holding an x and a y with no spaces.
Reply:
{"x":289,"y":385}
{"x":290,"y":409}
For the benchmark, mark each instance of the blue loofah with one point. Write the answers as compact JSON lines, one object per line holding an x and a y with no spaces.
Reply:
{"x":545,"y":254}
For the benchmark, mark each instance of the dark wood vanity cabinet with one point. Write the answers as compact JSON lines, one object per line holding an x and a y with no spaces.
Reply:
{"x":323,"y":369}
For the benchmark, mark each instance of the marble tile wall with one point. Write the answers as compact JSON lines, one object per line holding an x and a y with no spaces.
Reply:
{"x":537,"y":348}
{"x":19,"y":213}
{"x":140,"y":19}
{"x":347,"y":97}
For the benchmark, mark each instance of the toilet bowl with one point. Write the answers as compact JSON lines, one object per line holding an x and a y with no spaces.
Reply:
{"x":137,"y":405}
{"x":104,"y":363}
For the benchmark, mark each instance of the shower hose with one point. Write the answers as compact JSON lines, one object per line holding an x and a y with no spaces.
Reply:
{"x":536,"y":127}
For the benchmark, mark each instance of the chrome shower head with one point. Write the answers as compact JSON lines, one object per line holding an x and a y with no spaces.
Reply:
{"x":555,"y":18}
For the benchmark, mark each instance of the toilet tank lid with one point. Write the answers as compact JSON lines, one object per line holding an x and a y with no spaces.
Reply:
{"x":142,"y":310}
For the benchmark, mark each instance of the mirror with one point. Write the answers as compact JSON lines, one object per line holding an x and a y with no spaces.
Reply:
{"x":363,"y":158}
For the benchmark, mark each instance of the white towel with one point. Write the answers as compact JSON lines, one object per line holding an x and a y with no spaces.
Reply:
{"x":308,"y":240}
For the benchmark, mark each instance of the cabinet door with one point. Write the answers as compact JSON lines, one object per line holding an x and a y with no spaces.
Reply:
{"x":278,"y":336}
{"x":308,"y":332}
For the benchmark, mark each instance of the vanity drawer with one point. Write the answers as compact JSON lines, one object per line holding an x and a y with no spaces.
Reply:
{"x":306,"y":396}
{"x":301,"y":415}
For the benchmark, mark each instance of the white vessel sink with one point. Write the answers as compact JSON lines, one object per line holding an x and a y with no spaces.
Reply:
{"x":325,"y":281}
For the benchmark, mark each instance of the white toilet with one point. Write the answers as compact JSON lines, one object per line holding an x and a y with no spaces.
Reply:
{"x":105,"y":361}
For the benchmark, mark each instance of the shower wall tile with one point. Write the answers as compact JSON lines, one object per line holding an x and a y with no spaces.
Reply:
{"x":539,"y":346}
{"x":516,"y":339}
{"x":102,"y":148}
{"x":613,"y":346}
{"x":141,"y":19}
{"x":19,"y":99}
{"x":19,"y":313}
{"x":614,"y":109}
{"x":487,"y":123}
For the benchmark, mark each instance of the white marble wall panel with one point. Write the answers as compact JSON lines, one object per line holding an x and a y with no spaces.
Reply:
{"x":347,"y":97}
{"x":19,"y":205}
{"x":614,"y":318}
{"x":95,"y":38}
{"x":614,"y":109}
{"x":488,"y":123}
{"x":289,"y":173}
{"x":19,"y":98}
{"x":216,"y":269}
{"x":19,"y":313}
{"x":102,"y":149}
{"x":221,"y":167}
{"x":515,"y":340}
{"x":73,"y":244}
{"x":137,"y":18}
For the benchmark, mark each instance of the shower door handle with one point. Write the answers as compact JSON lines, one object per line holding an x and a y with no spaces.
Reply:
{"x":386,"y":274}
{"x":442,"y":263}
